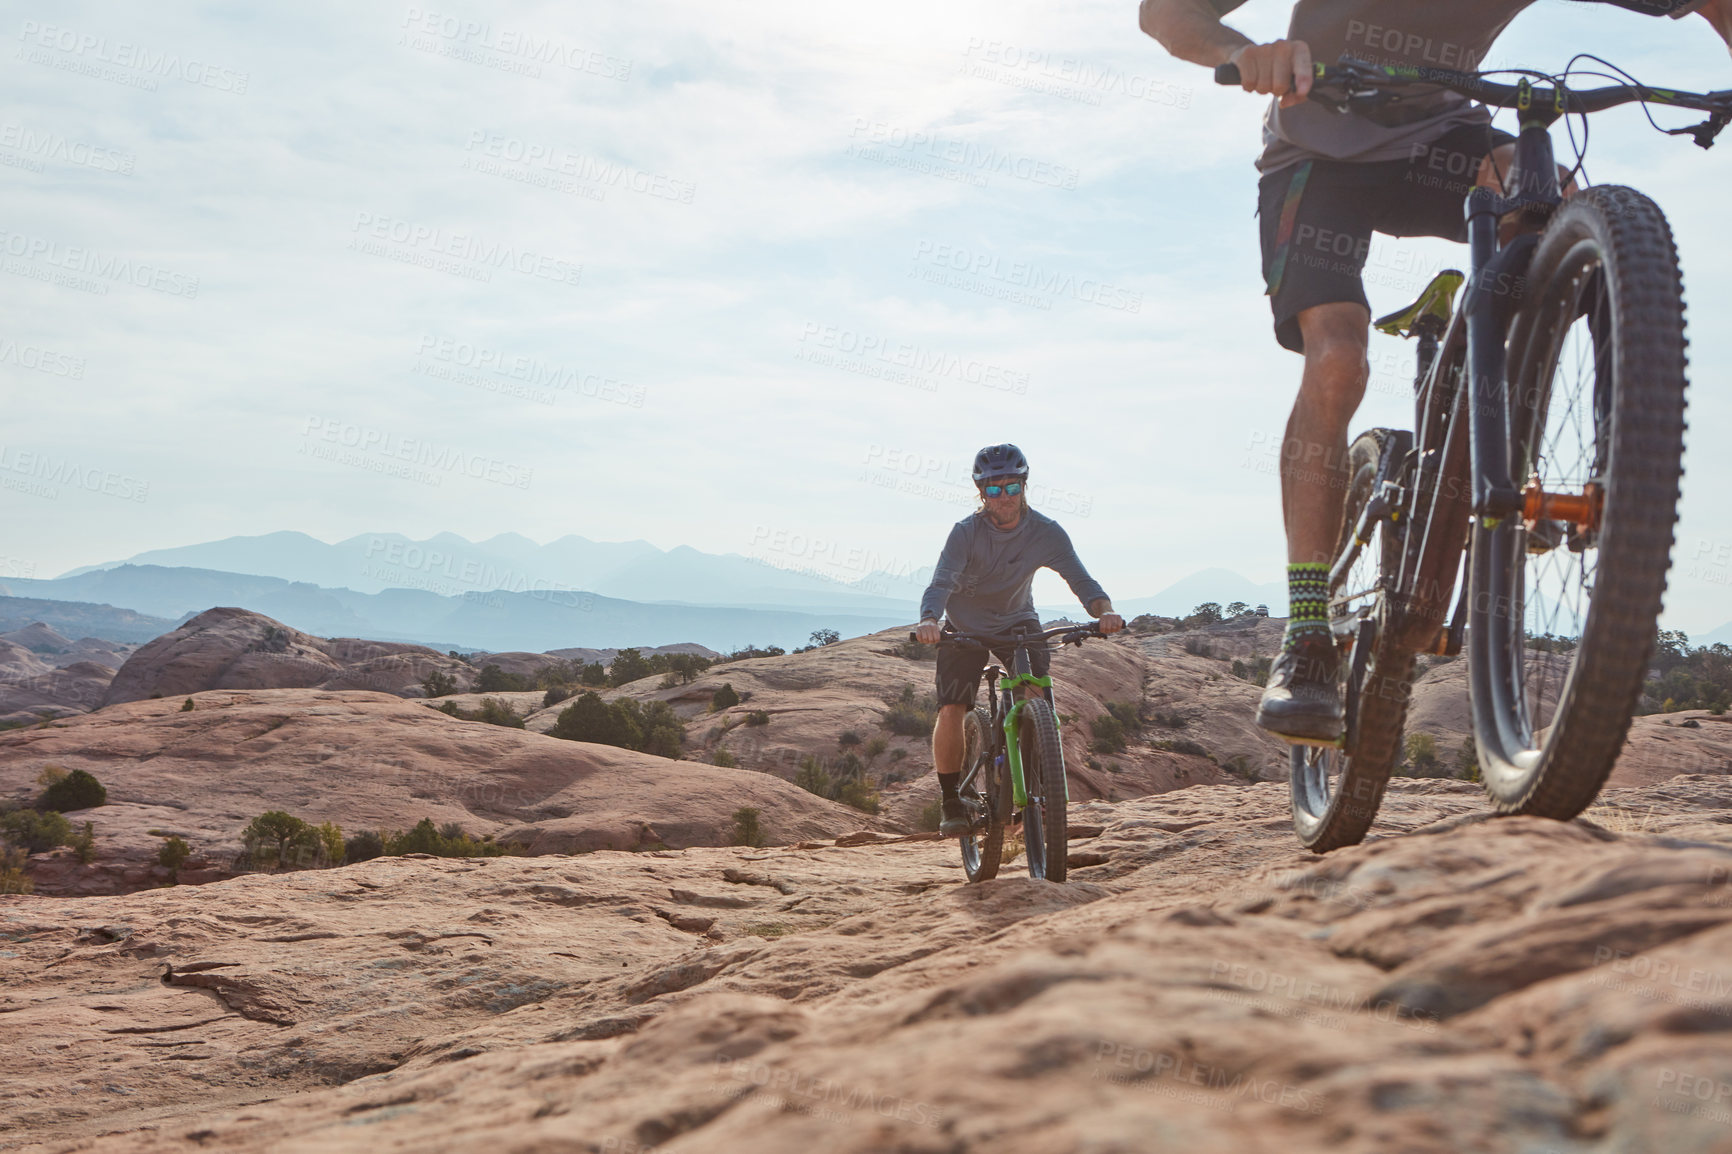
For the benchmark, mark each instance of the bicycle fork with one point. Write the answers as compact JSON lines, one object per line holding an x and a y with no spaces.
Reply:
{"x":1013,"y":757}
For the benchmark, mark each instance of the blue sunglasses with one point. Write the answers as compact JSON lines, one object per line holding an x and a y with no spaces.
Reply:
{"x":1010,"y":490}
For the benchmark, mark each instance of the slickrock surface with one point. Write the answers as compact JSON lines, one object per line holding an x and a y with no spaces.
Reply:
{"x":239,"y":649}
{"x":373,"y":761}
{"x":1455,"y":984}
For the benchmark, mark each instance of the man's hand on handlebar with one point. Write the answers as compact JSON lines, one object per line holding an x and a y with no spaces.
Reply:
{"x":1111,"y":623}
{"x":928,"y":632}
{"x":1282,"y":68}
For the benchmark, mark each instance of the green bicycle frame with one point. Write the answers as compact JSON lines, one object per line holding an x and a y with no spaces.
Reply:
{"x":1013,"y":749}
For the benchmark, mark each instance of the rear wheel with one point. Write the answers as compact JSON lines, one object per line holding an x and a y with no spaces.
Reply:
{"x":1044,"y":832}
{"x":1567,"y":595}
{"x":1337,"y":790}
{"x":983,"y":844}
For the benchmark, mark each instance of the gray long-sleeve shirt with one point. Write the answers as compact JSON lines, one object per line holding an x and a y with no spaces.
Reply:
{"x":984,"y":579}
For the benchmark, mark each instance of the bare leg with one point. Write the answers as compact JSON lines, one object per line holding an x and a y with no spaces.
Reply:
{"x":947,"y":739}
{"x":1314,"y":456}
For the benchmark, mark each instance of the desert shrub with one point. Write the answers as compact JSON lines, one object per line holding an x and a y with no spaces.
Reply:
{"x":746,"y":829}
{"x":595,"y":673}
{"x":1182,"y":745}
{"x":1236,"y":609}
{"x":724,"y":698}
{"x":897,"y":755}
{"x":13,"y":878}
{"x":187,"y":706}
{"x":931,"y":814}
{"x":495,"y":680}
{"x":812,"y":777}
{"x":439,"y":684}
{"x":1128,"y":713}
{"x":49,"y":775}
{"x":859,"y":794}
{"x":173,"y":854}
{"x":83,"y":843}
{"x":875,"y":747}
{"x":364,"y":846}
{"x":1421,"y":759}
{"x":1199,"y":647}
{"x":77,"y":790}
{"x":1688,"y":678}
{"x":35,"y":831}
{"x":1256,"y":671}
{"x":448,"y":841}
{"x":749,"y":652}
{"x":757,"y":717}
{"x":495,"y":712}
{"x":554,"y":695}
{"x":1467,"y":761}
{"x":909,"y":716}
{"x":1150,"y":623}
{"x":849,"y":739}
{"x":1108,"y":733}
{"x":652,"y":728}
{"x":911,"y":650}
{"x":1170,"y":720}
{"x":725,"y":759}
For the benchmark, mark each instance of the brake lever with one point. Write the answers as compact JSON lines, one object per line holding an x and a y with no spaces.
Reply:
{"x":1703,"y":134}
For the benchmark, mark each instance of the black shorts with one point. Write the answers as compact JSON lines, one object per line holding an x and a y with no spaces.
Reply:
{"x":960,"y":667}
{"x":1317,"y":217}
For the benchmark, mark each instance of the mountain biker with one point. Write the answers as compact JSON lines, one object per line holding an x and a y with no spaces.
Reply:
{"x":1328,"y":181}
{"x":983,"y":584}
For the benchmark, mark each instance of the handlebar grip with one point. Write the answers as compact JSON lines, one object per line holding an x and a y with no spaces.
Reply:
{"x":1228,"y":74}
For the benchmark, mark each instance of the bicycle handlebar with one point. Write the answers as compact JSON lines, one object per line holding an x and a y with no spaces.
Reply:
{"x":1073,"y":635}
{"x":1356,"y":78}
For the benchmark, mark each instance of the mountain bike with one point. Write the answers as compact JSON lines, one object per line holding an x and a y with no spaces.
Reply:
{"x":1545,"y":462}
{"x":1013,"y":761}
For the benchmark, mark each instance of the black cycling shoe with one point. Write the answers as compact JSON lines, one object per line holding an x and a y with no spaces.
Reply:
{"x":955,"y":822}
{"x":1302,"y":703}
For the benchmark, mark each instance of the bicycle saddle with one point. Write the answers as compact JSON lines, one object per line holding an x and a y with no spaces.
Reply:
{"x":1434,"y":302}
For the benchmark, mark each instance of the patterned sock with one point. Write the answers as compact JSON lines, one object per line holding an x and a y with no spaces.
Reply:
{"x":1308,"y":603}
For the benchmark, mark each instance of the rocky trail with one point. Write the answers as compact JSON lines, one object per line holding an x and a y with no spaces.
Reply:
{"x":1457,"y":983}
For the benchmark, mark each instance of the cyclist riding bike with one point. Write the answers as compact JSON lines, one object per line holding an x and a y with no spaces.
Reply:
{"x":983,"y":584}
{"x":1328,"y":182}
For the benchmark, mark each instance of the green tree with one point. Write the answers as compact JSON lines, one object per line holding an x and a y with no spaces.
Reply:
{"x":746,"y":828}
{"x":495,"y":680}
{"x":1237,"y":609}
{"x":628,"y":665}
{"x":825,"y":637}
{"x":172,"y":856}
{"x":187,"y":706}
{"x":83,"y":843}
{"x":35,"y":831}
{"x":589,"y":718}
{"x":1208,"y":613}
{"x":439,"y":684}
{"x":595,"y":673}
{"x":724,"y":698}
{"x":364,"y":846}
{"x":271,"y":836}
{"x":495,"y":712}
{"x":77,"y":790}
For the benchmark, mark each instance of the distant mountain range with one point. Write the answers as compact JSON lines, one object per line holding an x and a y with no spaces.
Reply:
{"x":510,"y":593}
{"x":449,"y":565}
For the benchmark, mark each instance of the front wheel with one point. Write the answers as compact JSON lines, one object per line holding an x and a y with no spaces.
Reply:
{"x":1044,"y":833}
{"x":1567,"y":594}
{"x":1337,"y":791}
{"x":984,"y":798}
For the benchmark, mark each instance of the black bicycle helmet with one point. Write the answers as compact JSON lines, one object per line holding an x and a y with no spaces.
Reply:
{"x":999,"y":461}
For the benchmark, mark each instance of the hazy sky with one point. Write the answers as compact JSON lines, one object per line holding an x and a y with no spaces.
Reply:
{"x":722,"y":274}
